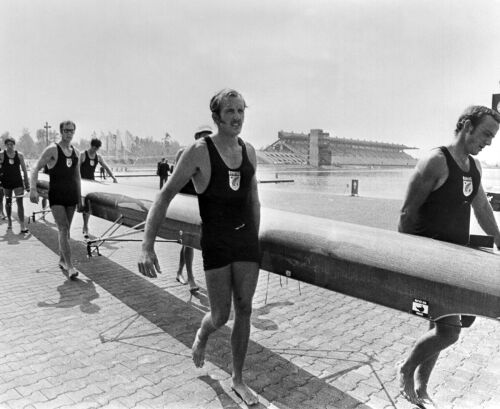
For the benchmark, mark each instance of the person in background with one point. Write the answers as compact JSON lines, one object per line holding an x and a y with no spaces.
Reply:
{"x":89,"y":160}
{"x":64,"y":189}
{"x":222,"y":168}
{"x":442,"y":190}
{"x":187,"y":253}
{"x":12,"y":163}
{"x":162,"y":171}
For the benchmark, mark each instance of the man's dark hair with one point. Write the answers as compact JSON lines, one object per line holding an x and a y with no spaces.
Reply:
{"x":475,"y":114}
{"x":61,"y":125}
{"x":95,"y":142}
{"x":9,"y":139}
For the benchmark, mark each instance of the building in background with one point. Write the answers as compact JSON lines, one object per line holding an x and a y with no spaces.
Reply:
{"x":317,"y":148}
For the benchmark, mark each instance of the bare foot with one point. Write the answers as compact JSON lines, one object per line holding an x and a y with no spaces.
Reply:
{"x":245,"y":393}
{"x":424,"y":400}
{"x":198,"y":350}
{"x":180,"y":279}
{"x":72,"y":273}
{"x":406,"y":384}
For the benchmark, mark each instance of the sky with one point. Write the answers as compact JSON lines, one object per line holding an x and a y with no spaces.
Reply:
{"x":387,"y":70}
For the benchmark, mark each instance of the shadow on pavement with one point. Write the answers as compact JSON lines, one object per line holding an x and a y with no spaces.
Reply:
{"x":74,"y":293}
{"x":270,"y":375}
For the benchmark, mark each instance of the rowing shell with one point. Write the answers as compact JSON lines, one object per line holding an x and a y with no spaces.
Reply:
{"x":426,"y":277}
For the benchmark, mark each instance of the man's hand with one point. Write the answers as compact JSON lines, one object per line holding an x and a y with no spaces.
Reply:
{"x":34,"y":196}
{"x":148,"y":264}
{"x":114,"y":180}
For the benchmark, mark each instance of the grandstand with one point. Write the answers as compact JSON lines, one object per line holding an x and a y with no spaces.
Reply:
{"x":317,"y":148}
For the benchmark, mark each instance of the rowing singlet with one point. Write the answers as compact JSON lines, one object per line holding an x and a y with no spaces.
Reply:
{"x":87,"y":168}
{"x":11,"y":168}
{"x":445,"y":215}
{"x":228,"y":232}
{"x":63,"y":180}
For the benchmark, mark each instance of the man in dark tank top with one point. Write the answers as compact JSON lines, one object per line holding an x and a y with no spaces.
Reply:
{"x":441,"y":192}
{"x":222,"y":167}
{"x":14,"y":170}
{"x":89,"y":160}
{"x":62,"y":161}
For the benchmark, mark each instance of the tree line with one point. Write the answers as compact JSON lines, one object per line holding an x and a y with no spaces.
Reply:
{"x":125,"y":148}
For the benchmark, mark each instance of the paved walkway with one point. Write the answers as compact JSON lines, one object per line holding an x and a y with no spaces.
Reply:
{"x":114,"y":339}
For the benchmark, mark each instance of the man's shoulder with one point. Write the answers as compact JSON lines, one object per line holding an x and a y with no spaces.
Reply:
{"x":198,"y":147}
{"x":434,"y":160}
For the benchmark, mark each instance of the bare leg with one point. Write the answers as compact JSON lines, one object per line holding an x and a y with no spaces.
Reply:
{"x":8,"y":207}
{"x":2,"y":214}
{"x":219,"y":295}
{"x":422,"y":376}
{"x":44,"y":207}
{"x":85,"y":229}
{"x":245,"y":276}
{"x":182,"y":261}
{"x":188,"y":258}
{"x":63,"y":217}
{"x":20,"y":207}
{"x":442,"y":334}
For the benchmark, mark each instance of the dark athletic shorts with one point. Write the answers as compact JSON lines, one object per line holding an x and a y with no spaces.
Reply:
{"x":67,"y":197}
{"x":221,"y":246}
{"x":467,"y":320}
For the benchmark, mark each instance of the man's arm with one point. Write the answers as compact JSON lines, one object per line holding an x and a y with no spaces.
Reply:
{"x":50,"y":152}
{"x":103,"y":164}
{"x":25,"y":171}
{"x":185,"y":169}
{"x":254,"y":192}
{"x":80,"y":204}
{"x":429,"y":173}
{"x":484,"y":213}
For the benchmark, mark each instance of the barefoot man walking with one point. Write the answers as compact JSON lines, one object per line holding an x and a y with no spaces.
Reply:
{"x":64,"y":189}
{"x":442,"y":190}
{"x":222,"y":167}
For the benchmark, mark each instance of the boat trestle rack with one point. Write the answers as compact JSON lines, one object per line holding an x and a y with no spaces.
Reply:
{"x":109,"y":235}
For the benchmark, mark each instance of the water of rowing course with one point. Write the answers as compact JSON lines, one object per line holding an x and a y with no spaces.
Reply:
{"x":326,"y":193}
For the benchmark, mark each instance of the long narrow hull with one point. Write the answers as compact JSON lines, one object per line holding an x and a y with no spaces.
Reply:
{"x":426,"y":277}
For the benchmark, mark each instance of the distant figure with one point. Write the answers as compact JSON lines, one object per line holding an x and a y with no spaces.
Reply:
{"x":222,"y":167}
{"x":162,"y":171}
{"x":187,"y":253}
{"x":2,"y":214}
{"x":102,"y":173}
{"x":89,"y":160}
{"x":12,"y":163}
{"x":438,"y":201}
{"x":64,"y":189}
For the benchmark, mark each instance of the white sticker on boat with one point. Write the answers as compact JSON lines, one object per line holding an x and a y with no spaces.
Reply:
{"x":420,"y":308}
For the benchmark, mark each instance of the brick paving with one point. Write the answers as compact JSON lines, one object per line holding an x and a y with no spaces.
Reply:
{"x":114,"y":339}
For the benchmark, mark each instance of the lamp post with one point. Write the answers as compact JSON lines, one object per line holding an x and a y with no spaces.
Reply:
{"x":47,"y":127}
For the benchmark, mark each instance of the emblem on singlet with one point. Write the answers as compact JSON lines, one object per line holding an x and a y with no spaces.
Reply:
{"x":91,"y":162}
{"x":234,"y":180}
{"x":69,"y":162}
{"x":11,"y":161}
{"x":468,"y":187}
